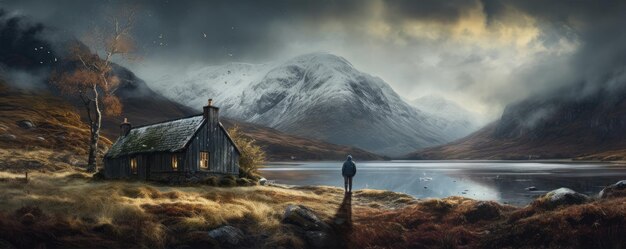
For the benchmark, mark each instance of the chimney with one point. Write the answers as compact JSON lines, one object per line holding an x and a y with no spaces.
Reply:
{"x":125,"y":128}
{"x":210,"y":112}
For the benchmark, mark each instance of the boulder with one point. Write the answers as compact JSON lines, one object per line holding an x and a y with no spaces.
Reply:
{"x":8,"y":137}
{"x":26,"y":124}
{"x":27,"y":219}
{"x":615,"y":190}
{"x":262,"y":181}
{"x":305,"y":218}
{"x":561,"y":197}
{"x":197,"y":239}
{"x":228,"y":235}
{"x":532,"y":188}
{"x":483,"y":210}
{"x":318,"y":239}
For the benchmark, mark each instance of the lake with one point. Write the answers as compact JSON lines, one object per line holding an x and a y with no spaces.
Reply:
{"x":502,"y":181}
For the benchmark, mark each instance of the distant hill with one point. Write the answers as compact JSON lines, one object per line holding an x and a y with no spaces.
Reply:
{"x":281,"y":146}
{"x":59,"y":127}
{"x":452,"y":118}
{"x":144,"y":106}
{"x":591,"y":126}
{"x":320,"y":96}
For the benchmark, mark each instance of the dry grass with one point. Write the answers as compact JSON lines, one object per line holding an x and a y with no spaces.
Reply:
{"x":154,"y":216}
{"x":69,"y":209}
{"x":598,"y":224}
{"x":55,"y":120}
{"x":59,"y":137}
{"x":18,"y":160}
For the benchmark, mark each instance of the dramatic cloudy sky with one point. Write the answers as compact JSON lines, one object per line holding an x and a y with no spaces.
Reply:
{"x":482,"y":54}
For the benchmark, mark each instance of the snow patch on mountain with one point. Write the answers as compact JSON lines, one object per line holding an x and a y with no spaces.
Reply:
{"x":315,"y":95}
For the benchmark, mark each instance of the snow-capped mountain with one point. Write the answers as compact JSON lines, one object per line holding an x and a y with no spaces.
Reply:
{"x":454,"y":119}
{"x":316,"y":95}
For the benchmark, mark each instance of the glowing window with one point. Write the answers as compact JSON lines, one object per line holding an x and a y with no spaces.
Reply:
{"x":133,"y":165}
{"x":174,"y":163}
{"x":204,"y":160}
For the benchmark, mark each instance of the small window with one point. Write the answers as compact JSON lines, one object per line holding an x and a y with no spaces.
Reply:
{"x":204,"y":160}
{"x":174,"y":163}
{"x":133,"y":165}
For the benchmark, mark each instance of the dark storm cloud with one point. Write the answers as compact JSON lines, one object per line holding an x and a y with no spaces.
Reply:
{"x":22,"y":45}
{"x":496,"y":51}
{"x":244,"y":29}
{"x":600,"y":60}
{"x":25,"y":53}
{"x":177,"y":28}
{"x":435,"y":10}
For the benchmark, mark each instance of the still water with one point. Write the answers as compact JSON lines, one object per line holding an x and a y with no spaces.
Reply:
{"x":503,"y":181}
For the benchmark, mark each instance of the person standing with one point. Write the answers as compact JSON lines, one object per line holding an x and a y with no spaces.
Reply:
{"x":348,"y":171}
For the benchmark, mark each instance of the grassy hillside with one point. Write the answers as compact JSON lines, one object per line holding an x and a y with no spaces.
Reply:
{"x":483,"y":145}
{"x":281,"y":146}
{"x":551,"y":126}
{"x":57,"y":138}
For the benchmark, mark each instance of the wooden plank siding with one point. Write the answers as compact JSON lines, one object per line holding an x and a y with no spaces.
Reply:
{"x":210,"y":137}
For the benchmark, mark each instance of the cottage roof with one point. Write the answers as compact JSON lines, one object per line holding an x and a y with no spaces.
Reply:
{"x":167,"y":136}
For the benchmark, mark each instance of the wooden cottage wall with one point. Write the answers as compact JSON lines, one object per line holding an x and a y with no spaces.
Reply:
{"x":226,"y":157}
{"x":222,"y":158}
{"x":213,"y":148}
{"x":211,"y":137}
{"x":217,"y":163}
{"x":111,"y":168}
{"x":200,"y":142}
{"x":117,"y":167}
{"x":142,"y":166}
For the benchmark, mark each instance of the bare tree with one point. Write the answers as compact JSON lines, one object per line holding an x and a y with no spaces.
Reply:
{"x":93,"y":79}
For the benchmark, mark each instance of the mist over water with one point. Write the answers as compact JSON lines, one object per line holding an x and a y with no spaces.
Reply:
{"x":500,"y":181}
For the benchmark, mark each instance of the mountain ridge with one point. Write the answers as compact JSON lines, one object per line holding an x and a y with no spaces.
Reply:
{"x":317,"y":95}
{"x":144,"y":106}
{"x":548,"y":126}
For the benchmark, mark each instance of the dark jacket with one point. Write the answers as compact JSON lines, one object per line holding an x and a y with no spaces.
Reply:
{"x":349,"y":168}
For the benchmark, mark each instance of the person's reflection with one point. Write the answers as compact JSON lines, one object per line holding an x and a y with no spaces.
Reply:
{"x":343,"y":220}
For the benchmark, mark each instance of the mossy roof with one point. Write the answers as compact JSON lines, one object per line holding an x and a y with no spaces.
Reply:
{"x":168,"y":136}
